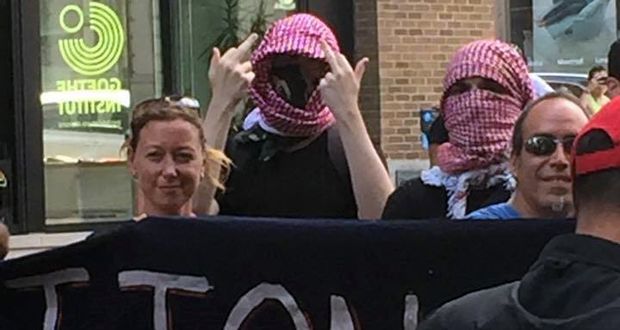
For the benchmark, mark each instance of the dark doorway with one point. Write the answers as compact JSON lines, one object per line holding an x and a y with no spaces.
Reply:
{"x":339,"y":15}
{"x":21,"y":177}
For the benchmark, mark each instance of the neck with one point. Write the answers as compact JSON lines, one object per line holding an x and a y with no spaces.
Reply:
{"x":596,"y":94}
{"x":153,"y":210}
{"x":600,"y":223}
{"x":527,"y":210}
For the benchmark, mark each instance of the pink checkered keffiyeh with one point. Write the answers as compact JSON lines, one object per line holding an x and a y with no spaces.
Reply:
{"x":480,"y":122}
{"x":299,"y":34}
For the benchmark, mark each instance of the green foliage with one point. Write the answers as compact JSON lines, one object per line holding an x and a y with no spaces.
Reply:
{"x":229,"y":36}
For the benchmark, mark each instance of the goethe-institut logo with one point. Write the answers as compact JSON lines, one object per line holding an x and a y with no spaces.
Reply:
{"x":91,"y":92}
{"x":105,"y":53}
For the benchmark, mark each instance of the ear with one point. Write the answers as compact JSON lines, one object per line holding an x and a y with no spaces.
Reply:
{"x":130,"y":162}
{"x":613,"y":85}
{"x":515,"y":163}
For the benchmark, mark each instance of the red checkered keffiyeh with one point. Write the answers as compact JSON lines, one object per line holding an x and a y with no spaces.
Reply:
{"x":300,"y":35}
{"x":480,"y":122}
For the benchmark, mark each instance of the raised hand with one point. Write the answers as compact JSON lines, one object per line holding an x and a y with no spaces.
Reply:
{"x":340,"y":87}
{"x":231,"y":74}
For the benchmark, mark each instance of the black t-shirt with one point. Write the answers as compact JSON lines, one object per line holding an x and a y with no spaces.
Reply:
{"x":415,"y":200}
{"x":301,"y":184}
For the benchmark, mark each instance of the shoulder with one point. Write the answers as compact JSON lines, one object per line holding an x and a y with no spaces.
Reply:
{"x":414,"y":200}
{"x":474,"y":310}
{"x":586,"y":96}
{"x":496,"y":211}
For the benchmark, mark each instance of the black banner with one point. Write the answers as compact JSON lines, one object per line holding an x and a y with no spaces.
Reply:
{"x":232,"y":273}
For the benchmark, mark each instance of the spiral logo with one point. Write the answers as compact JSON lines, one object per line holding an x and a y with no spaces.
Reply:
{"x":97,"y":59}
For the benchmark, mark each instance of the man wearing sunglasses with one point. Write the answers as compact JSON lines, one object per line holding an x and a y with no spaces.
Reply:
{"x":574,"y":284}
{"x":541,"y":143}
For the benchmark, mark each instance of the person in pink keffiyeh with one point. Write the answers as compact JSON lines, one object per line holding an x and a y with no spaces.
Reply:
{"x":304,"y":150}
{"x":485,"y":89}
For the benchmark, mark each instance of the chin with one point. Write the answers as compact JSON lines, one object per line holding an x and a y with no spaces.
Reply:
{"x":171,"y":207}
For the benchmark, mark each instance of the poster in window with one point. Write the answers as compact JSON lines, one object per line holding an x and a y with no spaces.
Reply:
{"x":572,"y":35}
{"x":84,"y":65}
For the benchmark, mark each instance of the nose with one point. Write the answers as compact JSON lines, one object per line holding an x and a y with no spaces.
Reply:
{"x":169,"y":168}
{"x":559,"y":160}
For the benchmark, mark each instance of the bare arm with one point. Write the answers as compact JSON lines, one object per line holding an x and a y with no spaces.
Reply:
{"x":230,"y":76}
{"x":340,"y":90}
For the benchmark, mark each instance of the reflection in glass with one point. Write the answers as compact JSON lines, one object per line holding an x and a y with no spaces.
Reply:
{"x":92,"y":72}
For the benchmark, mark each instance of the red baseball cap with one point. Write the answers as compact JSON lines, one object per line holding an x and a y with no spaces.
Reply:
{"x":606,"y":120}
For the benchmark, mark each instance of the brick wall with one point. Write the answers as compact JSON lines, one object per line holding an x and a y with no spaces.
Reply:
{"x":415,"y":40}
{"x":367,"y":45}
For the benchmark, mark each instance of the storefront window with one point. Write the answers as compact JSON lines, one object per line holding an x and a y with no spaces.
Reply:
{"x":97,"y":59}
{"x":564,"y":36}
{"x":202,"y":25}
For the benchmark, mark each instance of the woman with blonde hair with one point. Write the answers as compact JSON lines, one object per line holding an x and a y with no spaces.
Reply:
{"x":168,"y":157}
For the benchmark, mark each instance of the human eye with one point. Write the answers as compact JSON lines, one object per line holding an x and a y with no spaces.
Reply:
{"x":184,"y":157}
{"x":154,"y":155}
{"x":494,"y":87}
{"x":456,"y":89}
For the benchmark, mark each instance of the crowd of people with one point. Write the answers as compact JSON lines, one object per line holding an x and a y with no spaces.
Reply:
{"x":503,"y":151}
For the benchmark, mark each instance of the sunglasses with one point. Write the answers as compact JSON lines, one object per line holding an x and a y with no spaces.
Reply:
{"x":545,"y":145}
{"x":183,"y":101}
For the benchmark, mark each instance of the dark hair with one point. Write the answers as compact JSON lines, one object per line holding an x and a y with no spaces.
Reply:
{"x":517,"y":133}
{"x":161,"y":109}
{"x":594,"y":71}
{"x":601,"y":188}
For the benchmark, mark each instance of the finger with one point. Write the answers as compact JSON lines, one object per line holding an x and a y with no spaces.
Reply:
{"x":245,"y":49}
{"x":342,"y":60}
{"x":329,"y":77}
{"x":245,"y":67}
{"x":249,"y":77}
{"x":329,"y":55}
{"x":215,"y":58}
{"x":322,"y":85}
{"x":360,"y":68}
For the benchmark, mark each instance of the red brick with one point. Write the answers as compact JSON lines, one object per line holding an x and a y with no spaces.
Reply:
{"x":412,"y":42}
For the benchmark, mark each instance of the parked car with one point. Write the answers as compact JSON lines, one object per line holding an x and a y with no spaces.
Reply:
{"x":573,"y":82}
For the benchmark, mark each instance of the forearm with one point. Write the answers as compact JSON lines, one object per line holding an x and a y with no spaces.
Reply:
{"x":370,"y":180}
{"x":215,"y":127}
{"x":217,"y":122}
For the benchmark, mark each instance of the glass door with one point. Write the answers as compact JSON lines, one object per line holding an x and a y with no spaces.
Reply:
{"x":200,"y":25}
{"x":98,"y":58}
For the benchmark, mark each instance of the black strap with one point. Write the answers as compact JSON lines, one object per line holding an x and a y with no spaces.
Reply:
{"x":337,"y":155}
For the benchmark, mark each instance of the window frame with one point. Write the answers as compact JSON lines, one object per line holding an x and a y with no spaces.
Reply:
{"x":29,"y":195}
{"x":28,"y":203}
